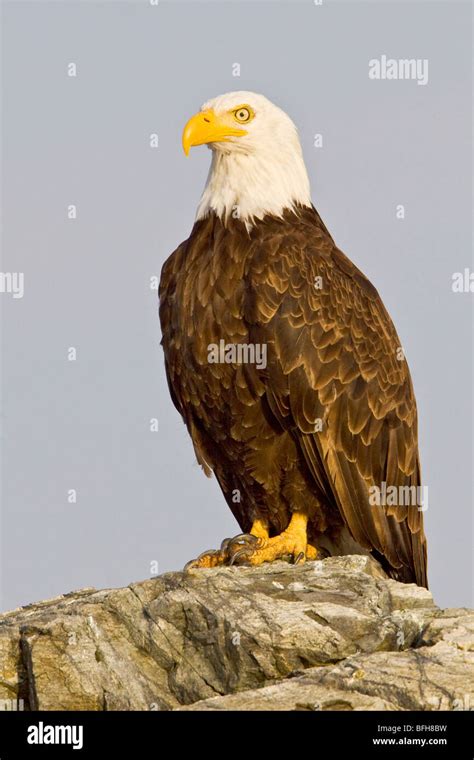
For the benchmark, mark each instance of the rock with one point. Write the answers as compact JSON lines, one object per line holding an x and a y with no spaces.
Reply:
{"x":335,"y":634}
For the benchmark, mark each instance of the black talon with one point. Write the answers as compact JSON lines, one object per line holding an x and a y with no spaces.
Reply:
{"x":244,"y":538}
{"x":299,"y":558}
{"x":235,"y":557}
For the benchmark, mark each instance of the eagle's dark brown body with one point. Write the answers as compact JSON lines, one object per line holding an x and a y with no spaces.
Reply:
{"x":332,"y":356}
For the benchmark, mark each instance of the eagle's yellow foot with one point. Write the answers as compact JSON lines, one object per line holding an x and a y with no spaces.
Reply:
{"x":293,"y":542}
{"x":256,"y":547}
{"x":231,"y":548}
{"x":223,"y":556}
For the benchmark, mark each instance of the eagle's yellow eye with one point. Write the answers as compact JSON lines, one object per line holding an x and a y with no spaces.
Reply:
{"x":243,"y":114}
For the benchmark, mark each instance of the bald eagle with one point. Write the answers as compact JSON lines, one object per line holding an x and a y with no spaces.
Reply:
{"x":284,"y":363}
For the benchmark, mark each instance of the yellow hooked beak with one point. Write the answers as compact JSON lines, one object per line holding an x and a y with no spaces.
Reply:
{"x":206,"y":127}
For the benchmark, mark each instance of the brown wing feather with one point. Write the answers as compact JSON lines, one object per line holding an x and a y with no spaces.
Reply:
{"x":334,"y":356}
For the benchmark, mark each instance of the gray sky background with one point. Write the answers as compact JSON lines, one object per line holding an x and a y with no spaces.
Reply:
{"x":141,"y":69}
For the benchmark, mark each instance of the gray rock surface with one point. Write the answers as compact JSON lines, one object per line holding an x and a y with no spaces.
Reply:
{"x":336,"y":634}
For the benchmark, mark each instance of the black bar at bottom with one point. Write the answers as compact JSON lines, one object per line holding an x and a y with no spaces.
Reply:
{"x":376,"y":734}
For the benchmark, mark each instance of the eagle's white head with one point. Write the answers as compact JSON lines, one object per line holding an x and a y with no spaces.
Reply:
{"x":257,"y":163}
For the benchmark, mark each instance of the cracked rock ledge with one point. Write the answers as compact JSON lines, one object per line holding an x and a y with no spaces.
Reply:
{"x":335,"y":634}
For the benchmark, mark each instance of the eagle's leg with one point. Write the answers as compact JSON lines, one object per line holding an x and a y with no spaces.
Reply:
{"x":259,"y":529}
{"x":292,"y":542}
